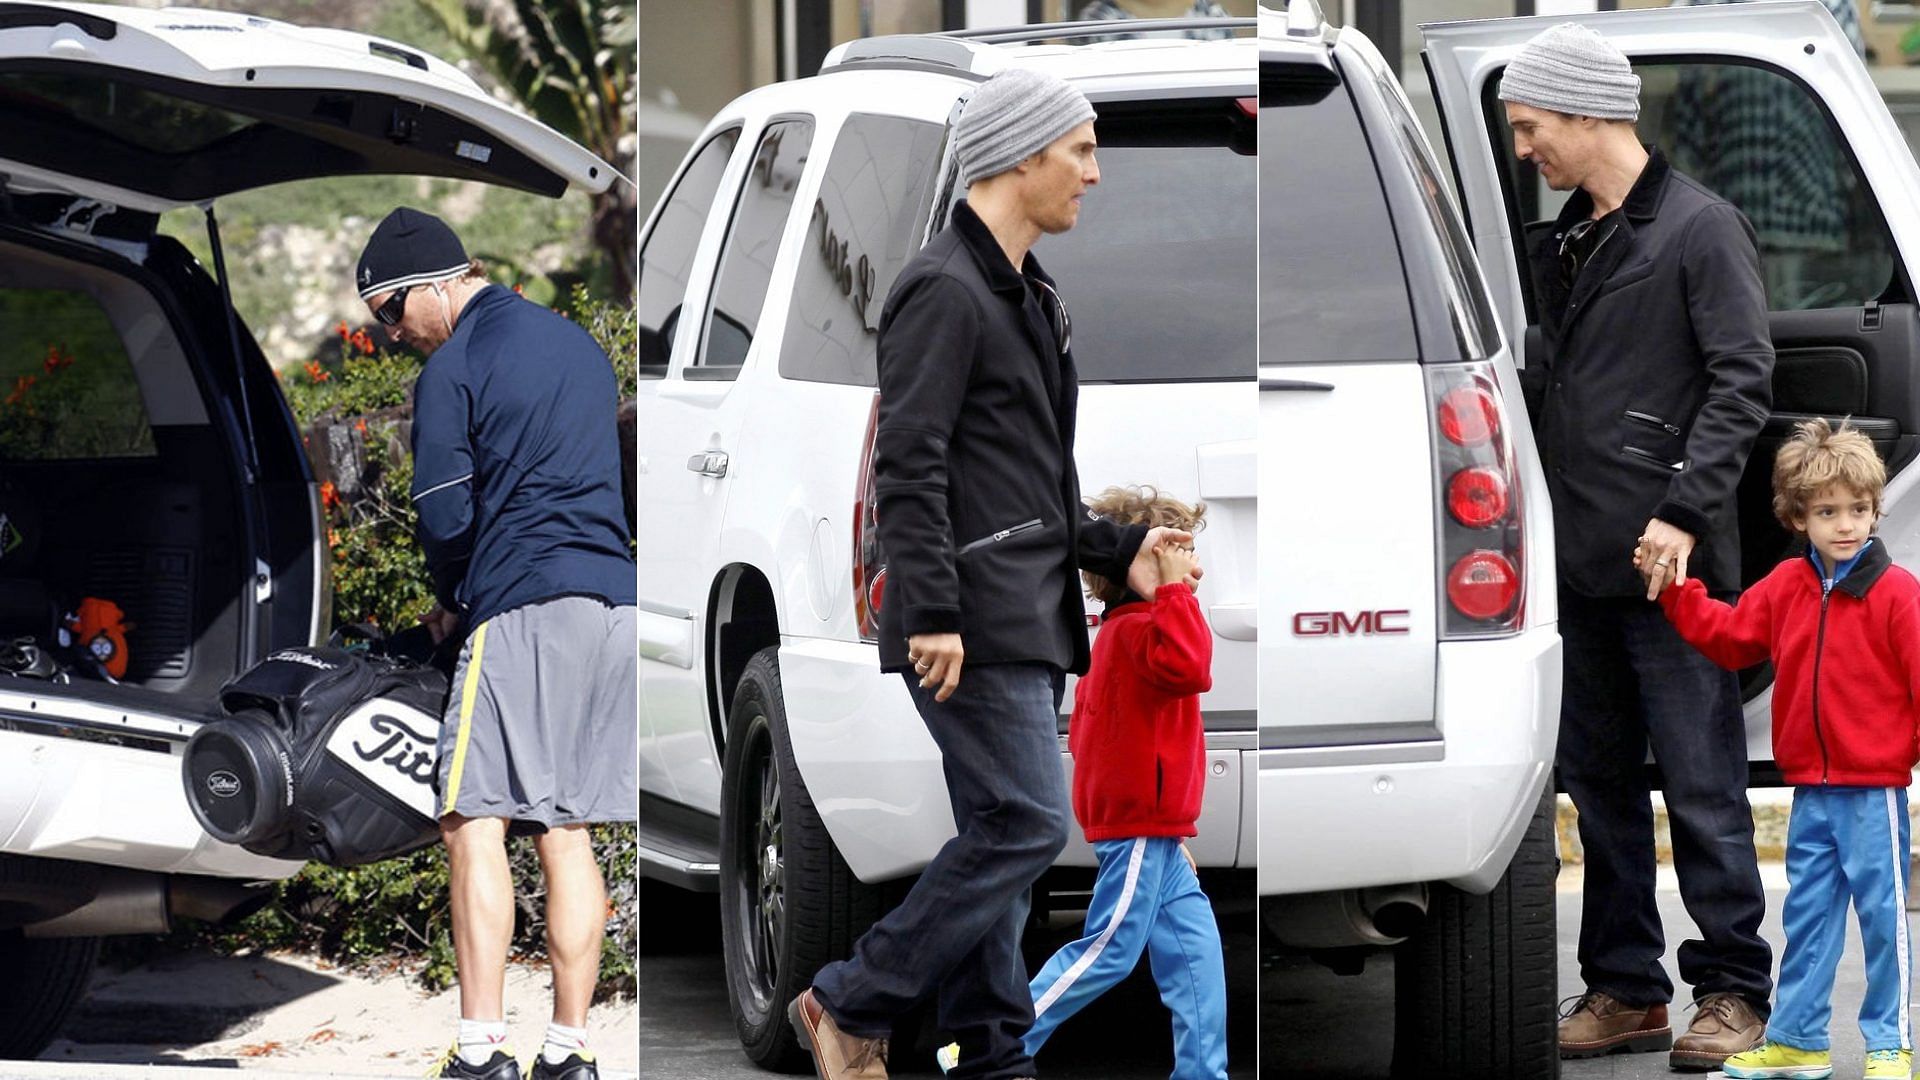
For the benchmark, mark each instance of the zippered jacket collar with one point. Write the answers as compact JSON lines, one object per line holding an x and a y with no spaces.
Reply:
{"x":1858,"y":574}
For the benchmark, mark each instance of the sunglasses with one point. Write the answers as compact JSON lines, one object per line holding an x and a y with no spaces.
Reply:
{"x":389,"y":313}
{"x":1061,"y":324}
{"x":1569,"y":258}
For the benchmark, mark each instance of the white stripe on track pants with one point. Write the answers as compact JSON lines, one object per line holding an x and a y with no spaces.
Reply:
{"x":1845,"y":843}
{"x":1146,"y":899}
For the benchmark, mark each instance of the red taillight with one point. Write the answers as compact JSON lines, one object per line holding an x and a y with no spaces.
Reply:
{"x":1249,"y":107}
{"x":1481,"y":560}
{"x":869,"y":577}
{"x":1483,"y":585}
{"x":1469,"y":416}
{"x":1477,"y":497}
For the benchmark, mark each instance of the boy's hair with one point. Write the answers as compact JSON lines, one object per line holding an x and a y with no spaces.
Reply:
{"x":1818,"y":456}
{"x":1142,"y":505}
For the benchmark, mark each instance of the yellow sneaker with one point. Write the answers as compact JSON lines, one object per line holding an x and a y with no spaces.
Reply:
{"x":1780,"y":1060}
{"x":1889,"y":1064}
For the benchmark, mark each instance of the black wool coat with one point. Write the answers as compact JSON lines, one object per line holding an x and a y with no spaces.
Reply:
{"x":1658,"y":377}
{"x":977,"y":497}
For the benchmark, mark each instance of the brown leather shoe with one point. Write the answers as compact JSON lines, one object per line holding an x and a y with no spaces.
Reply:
{"x":836,"y":1055}
{"x":1723,"y":1025}
{"x":1595,"y":1024}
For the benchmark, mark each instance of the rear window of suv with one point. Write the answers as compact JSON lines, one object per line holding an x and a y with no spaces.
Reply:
{"x":67,"y":388}
{"x":1331,"y":283}
{"x":1159,"y":273}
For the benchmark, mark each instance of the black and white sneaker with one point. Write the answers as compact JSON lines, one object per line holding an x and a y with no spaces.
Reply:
{"x":576,"y":1066}
{"x":501,"y":1066}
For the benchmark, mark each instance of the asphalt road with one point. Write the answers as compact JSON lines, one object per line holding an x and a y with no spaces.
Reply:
{"x":686,"y":1030}
{"x":1320,"y":1026}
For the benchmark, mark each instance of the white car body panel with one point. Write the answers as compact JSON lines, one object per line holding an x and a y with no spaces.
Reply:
{"x":90,"y":801}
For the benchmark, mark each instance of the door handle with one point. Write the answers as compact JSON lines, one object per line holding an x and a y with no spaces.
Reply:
{"x":709,"y":463}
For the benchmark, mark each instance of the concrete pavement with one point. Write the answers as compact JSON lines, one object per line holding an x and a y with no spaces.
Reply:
{"x":1321,"y":1026}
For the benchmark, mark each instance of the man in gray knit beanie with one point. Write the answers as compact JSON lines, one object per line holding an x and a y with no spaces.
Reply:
{"x":1655,"y":379}
{"x":977,"y":402}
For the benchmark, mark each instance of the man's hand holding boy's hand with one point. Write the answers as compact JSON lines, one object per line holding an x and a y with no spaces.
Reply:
{"x":936,"y":658}
{"x":1143,"y":574}
{"x":1175,"y":562}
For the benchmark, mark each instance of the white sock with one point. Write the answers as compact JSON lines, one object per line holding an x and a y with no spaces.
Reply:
{"x":480,"y":1038}
{"x":562,"y":1041}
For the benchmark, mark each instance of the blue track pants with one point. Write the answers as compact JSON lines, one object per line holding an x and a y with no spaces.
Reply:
{"x":1845,"y":844}
{"x":1146,"y":899}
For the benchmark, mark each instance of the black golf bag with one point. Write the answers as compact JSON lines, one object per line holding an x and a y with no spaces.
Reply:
{"x":323,"y":754}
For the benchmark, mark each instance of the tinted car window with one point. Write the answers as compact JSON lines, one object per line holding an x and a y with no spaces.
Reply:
{"x":67,"y":388}
{"x":1331,"y":283}
{"x":668,"y":254}
{"x":1758,"y":139}
{"x":753,"y":239}
{"x":1475,"y":328}
{"x":866,"y":224}
{"x":1158,"y":274}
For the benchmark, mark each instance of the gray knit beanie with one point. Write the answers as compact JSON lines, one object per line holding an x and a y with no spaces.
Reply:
{"x":1011,"y":117}
{"x":1572,"y":69}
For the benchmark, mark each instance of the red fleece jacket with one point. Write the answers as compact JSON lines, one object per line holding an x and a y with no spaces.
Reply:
{"x":1846,"y":665}
{"x":1139,"y":751}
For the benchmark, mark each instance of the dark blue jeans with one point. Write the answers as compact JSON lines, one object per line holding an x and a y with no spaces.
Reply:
{"x":1630,"y":680}
{"x":958,"y":931}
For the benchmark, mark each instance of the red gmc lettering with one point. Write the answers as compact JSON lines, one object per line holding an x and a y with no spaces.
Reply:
{"x":1361,"y":623}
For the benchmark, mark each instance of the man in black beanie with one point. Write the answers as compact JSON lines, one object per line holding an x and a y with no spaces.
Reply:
{"x":517,"y":486}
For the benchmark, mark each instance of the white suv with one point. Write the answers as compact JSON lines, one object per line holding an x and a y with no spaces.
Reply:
{"x":777,"y":763}
{"x":162,"y":469}
{"x":1410,"y":698}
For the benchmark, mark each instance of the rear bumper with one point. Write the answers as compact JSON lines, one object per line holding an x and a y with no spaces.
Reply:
{"x":75,"y":796}
{"x":875,"y":774}
{"x":1335,"y":818}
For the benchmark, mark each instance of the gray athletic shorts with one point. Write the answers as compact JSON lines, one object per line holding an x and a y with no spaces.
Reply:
{"x":542,"y":725}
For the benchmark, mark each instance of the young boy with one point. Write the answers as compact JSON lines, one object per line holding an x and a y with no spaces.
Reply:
{"x":1842,"y":626}
{"x":1139,"y":765}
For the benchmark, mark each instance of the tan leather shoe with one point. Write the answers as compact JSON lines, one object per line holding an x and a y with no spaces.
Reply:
{"x":836,"y":1054}
{"x":1595,"y":1024}
{"x":1723,"y":1025}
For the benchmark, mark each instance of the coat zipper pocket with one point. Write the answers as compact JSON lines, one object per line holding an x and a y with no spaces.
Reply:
{"x":1656,"y":459}
{"x":1649,"y":418}
{"x":999,"y":536}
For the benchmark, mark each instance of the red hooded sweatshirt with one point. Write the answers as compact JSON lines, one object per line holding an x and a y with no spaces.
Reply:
{"x":1846,"y":663}
{"x":1139,"y":751}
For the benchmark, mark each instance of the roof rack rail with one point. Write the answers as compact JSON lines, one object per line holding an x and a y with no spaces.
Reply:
{"x":1009,"y":35}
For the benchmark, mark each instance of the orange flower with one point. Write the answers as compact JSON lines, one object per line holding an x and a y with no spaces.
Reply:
{"x":519,"y":290}
{"x":329,"y":495}
{"x":316,"y":372}
{"x":363,"y":341}
{"x":360,"y":425}
{"x":342,"y":330}
{"x":333,"y":539}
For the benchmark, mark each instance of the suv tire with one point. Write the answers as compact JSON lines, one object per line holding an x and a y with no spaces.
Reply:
{"x":46,"y":978}
{"x":788,"y":903}
{"x":1475,"y":989}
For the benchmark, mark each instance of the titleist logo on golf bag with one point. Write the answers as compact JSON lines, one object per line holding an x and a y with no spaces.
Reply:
{"x":392,"y":745}
{"x":323,"y":754}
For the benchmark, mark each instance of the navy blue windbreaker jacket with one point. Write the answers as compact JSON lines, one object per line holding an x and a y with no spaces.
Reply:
{"x":516,"y":462}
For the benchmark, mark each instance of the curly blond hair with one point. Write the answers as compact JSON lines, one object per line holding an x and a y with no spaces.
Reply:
{"x":1138,"y":505}
{"x":1817,"y":457}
